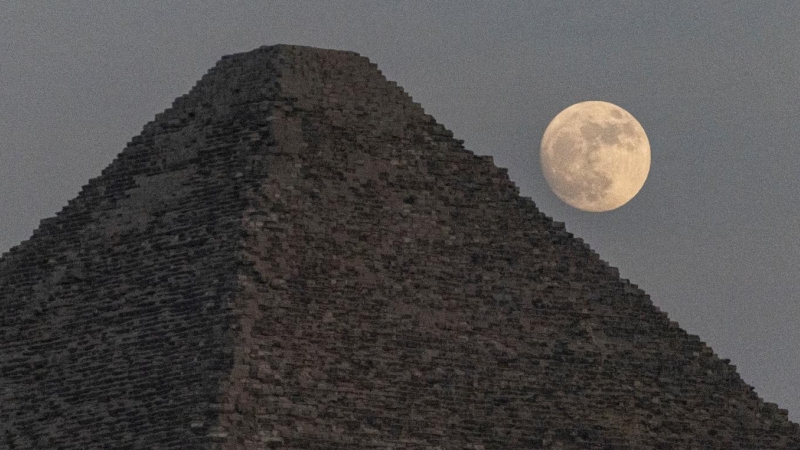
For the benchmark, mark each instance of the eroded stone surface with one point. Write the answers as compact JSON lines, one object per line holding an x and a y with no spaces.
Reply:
{"x":296,"y":256}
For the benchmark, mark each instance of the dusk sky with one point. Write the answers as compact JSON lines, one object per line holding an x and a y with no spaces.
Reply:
{"x":713,"y":236}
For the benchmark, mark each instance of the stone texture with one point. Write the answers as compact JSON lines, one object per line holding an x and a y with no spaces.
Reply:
{"x":296,"y":256}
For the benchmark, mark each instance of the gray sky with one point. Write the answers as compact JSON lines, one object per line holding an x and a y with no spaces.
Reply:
{"x":713,"y":236}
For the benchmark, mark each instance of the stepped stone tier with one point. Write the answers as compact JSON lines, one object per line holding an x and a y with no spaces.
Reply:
{"x":296,"y":256}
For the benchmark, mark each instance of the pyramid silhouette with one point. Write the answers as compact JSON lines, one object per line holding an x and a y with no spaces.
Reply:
{"x":296,"y":256}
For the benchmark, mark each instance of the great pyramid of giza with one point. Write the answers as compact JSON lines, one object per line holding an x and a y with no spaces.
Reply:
{"x":296,"y":256}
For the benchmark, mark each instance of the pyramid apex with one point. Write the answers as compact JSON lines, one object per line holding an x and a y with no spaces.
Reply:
{"x":287,"y":49}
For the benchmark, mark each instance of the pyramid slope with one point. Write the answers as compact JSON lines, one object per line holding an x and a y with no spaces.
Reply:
{"x":296,"y":256}
{"x":116,"y":315}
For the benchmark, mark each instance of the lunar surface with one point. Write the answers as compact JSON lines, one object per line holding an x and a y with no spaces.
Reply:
{"x":595,"y":156}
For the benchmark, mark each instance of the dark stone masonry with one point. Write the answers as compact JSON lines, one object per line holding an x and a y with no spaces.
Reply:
{"x":296,"y":256}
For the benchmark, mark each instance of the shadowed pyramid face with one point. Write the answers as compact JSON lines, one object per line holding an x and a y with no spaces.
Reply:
{"x":295,"y":255}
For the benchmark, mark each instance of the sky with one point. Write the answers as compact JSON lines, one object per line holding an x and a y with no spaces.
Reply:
{"x":713,"y":236}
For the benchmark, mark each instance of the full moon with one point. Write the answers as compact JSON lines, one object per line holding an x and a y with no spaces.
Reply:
{"x":595,"y":156}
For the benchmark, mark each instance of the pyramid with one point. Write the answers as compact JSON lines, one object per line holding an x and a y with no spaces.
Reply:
{"x":296,"y":256}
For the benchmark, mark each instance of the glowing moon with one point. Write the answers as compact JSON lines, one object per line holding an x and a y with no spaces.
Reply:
{"x":595,"y":156}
